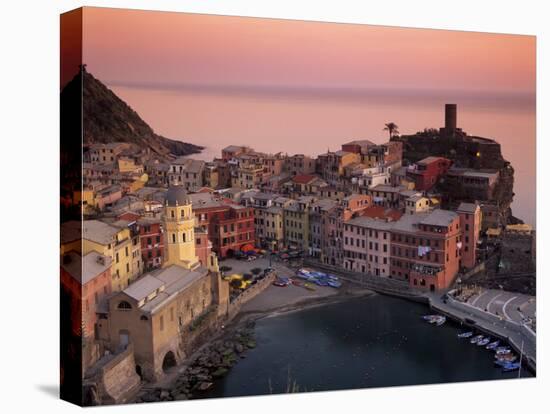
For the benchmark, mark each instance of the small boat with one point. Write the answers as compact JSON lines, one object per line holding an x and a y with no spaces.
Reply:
{"x":484,"y":342}
{"x":493,"y":345}
{"x":309,"y":286}
{"x":503,"y":351}
{"x":440,"y":320}
{"x":503,"y":348}
{"x":431,"y":318}
{"x":507,"y":357}
{"x":476,"y":339}
{"x":334,"y":284}
{"x":465,"y":334}
{"x":500,"y":363}
{"x":514,"y":366}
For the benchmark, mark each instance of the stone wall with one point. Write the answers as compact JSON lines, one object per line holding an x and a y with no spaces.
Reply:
{"x":115,"y":378}
{"x":251,"y":292}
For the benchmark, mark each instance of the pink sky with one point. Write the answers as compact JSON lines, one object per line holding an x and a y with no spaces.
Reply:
{"x":143,"y":47}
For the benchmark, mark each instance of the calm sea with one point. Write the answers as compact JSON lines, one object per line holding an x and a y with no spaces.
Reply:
{"x":377,"y":341}
{"x":312,"y":121}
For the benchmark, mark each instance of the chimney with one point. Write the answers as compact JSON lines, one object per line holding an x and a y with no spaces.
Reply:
{"x":450,"y":118}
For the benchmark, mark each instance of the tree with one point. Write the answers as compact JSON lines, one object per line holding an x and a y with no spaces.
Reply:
{"x":256,"y":271}
{"x":392,"y":129}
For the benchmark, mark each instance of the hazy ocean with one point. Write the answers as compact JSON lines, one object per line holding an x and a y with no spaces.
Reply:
{"x":312,"y":121}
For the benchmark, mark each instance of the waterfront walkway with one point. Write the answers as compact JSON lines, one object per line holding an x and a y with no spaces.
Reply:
{"x":514,"y":332}
{"x":517,"y":334}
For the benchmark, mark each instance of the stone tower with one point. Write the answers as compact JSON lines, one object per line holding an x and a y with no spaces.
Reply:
{"x":179,"y":230}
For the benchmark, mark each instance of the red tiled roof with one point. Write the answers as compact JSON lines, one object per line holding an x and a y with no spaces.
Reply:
{"x":382,"y":213}
{"x":303,"y":179}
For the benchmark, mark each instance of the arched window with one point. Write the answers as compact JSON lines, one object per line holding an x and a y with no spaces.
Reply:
{"x":184,"y":237}
{"x":173,"y":237}
{"x":144,"y":318}
{"x":124,"y":305}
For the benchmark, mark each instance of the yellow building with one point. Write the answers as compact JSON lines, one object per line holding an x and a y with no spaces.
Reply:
{"x":248,"y":177}
{"x":270,"y":227}
{"x":165,"y":314}
{"x":296,"y":223}
{"x":115,"y":243}
{"x":179,"y":227}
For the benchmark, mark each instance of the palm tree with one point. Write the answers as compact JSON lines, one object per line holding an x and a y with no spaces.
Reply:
{"x":392,"y":129}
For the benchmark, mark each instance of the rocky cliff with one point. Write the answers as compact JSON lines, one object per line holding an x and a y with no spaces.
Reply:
{"x":107,"y":118}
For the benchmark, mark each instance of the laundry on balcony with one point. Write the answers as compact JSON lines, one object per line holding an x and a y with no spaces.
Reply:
{"x":422,"y":250}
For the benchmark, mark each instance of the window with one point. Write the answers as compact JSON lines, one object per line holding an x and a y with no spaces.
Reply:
{"x":123,"y":305}
{"x":173,"y":237}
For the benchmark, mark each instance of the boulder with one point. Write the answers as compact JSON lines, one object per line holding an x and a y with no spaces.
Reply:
{"x":203,"y":386}
{"x":220,"y":372}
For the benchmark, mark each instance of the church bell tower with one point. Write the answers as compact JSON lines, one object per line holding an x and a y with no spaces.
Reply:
{"x":179,"y":230}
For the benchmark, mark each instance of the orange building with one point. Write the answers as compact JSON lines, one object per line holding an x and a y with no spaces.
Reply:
{"x":88,"y":281}
{"x":425,"y":249}
{"x":470,"y":224}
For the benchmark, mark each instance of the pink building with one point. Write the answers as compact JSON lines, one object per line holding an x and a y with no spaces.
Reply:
{"x":367,"y":245}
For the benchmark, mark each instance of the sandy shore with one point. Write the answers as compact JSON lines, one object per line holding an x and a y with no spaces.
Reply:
{"x":276,"y":300}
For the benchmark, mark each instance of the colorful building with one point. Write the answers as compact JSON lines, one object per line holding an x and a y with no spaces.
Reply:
{"x":87,"y":281}
{"x":425,"y":249}
{"x":113,"y":242}
{"x":230,"y":226}
{"x":470,"y":224}
{"x":427,"y":172}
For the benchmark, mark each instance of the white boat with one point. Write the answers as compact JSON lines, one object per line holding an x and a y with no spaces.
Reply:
{"x":476,"y":339}
{"x":440,"y":320}
{"x":465,"y":334}
{"x":493,"y":345}
{"x":503,"y":352}
{"x":484,"y":342}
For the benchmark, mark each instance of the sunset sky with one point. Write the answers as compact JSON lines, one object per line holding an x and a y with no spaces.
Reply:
{"x":163,"y":48}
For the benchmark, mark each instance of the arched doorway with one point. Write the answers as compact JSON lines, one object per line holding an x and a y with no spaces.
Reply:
{"x":169,"y":361}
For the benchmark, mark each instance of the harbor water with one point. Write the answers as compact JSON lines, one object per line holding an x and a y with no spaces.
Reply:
{"x":376,"y":341}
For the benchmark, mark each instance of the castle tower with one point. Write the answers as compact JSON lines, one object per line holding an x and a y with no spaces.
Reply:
{"x":450,"y":118}
{"x":179,"y":230}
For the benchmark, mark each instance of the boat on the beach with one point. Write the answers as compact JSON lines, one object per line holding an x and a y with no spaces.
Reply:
{"x":502,"y":351}
{"x":493,"y":345}
{"x":309,"y":286}
{"x":334,"y":284}
{"x":484,"y":341}
{"x":320,"y":282}
{"x":476,"y":339}
{"x":465,"y":334}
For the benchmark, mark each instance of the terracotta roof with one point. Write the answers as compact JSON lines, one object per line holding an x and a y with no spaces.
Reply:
{"x":304,"y":178}
{"x":380,"y":212}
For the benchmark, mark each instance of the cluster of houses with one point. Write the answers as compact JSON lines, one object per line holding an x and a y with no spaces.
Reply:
{"x":144,"y":262}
